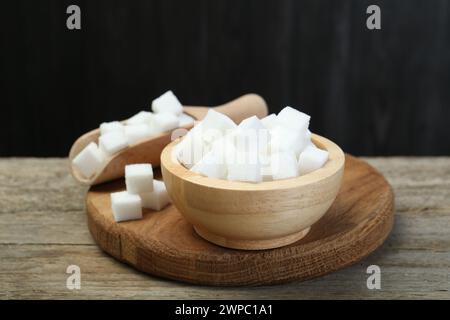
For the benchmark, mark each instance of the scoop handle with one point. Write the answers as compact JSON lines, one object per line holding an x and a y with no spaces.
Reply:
{"x":238,"y":109}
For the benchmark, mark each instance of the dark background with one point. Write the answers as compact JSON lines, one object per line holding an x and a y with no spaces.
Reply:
{"x":383,"y":92}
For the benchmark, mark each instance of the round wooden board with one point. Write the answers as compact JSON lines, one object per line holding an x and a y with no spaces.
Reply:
{"x":164,"y":244}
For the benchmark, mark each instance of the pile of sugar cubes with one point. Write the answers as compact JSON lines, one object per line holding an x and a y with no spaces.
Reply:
{"x":114,"y":136}
{"x":275,"y":147}
{"x":142,"y":192}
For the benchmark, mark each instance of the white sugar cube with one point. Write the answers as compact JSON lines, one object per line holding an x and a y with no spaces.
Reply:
{"x":251,"y":123}
{"x":312,"y":158}
{"x":113,"y":142}
{"x":112,"y":126}
{"x":212,"y":165}
{"x":251,"y":140}
{"x":126,"y":206}
{"x":218,"y":121}
{"x":163,"y":122}
{"x":89,"y":160}
{"x":142,"y":117}
{"x":138,"y":132}
{"x":293,"y":119}
{"x":139,"y":178}
{"x":185,"y":120}
{"x":191,"y":148}
{"x":244,"y":167}
{"x":157,"y":199}
{"x":167,"y":102}
{"x":282,"y":140}
{"x":269,"y":121}
{"x":284,"y":165}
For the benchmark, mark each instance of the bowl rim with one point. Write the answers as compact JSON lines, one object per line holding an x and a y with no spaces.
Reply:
{"x":335,"y":163}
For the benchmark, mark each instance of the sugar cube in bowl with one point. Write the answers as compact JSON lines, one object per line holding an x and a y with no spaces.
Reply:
{"x":254,"y":216}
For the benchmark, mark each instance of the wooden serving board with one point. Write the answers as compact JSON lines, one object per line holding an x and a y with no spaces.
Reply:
{"x":164,"y":244}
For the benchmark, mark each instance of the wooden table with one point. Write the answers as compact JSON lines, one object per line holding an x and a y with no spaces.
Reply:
{"x":43,"y":231}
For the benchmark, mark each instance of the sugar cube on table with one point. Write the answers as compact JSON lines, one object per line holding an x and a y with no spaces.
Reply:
{"x":163,"y":122}
{"x":142,"y":117}
{"x":269,"y":121}
{"x":138,"y":132}
{"x":139,"y":178}
{"x":283,"y":165}
{"x":112,"y":126}
{"x":185,"y":120}
{"x":212,"y":165}
{"x":126,"y":206}
{"x":311,"y":159}
{"x":157,"y":199}
{"x":244,"y":167}
{"x":113,"y":142}
{"x":293,"y":119}
{"x":168,"y":103}
{"x":89,"y":160}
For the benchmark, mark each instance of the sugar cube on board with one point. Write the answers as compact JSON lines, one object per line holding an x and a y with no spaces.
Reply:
{"x":167,"y":102}
{"x":185,"y":120}
{"x":293,"y":119}
{"x":157,"y":199}
{"x":112,"y":126}
{"x":142,"y":117}
{"x":89,"y":160}
{"x":138,"y":132}
{"x":163,"y":122}
{"x":212,"y":165}
{"x":269,"y":121}
{"x":126,"y":206}
{"x":284,"y":165}
{"x":113,"y":142}
{"x":139,"y":178}
{"x":311,"y":159}
{"x":244,"y":167}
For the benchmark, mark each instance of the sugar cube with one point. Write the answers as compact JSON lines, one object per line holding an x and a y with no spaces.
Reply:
{"x":89,"y":160}
{"x":191,"y":148}
{"x":157,"y":199}
{"x":293,"y":119}
{"x":112,"y":126}
{"x":142,"y":117}
{"x":126,"y":206}
{"x":282,"y":139}
{"x":312,"y":158}
{"x":245,"y":167}
{"x":217,"y":120}
{"x":251,"y":123}
{"x":163,"y":122}
{"x":284,"y":165}
{"x":185,"y":120}
{"x":212,"y":165}
{"x":138,"y":132}
{"x":139,"y":178}
{"x":113,"y":142}
{"x":167,"y":102}
{"x":269,"y":121}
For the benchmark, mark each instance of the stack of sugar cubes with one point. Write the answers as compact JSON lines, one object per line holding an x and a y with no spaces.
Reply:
{"x":142,"y":192}
{"x":115,"y":136}
{"x":275,"y":147}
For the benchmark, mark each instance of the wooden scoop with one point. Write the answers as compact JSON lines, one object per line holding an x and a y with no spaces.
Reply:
{"x":149,"y":150}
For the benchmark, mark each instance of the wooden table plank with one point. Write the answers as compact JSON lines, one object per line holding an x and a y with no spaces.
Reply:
{"x":43,"y":230}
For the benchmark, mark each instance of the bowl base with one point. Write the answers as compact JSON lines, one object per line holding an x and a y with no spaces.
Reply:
{"x":251,"y":244}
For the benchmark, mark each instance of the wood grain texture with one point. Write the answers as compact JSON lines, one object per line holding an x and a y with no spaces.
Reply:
{"x":43,"y":230}
{"x":165,"y":244}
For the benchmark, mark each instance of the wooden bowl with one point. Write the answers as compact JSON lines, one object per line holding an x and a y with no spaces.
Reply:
{"x":254,"y":216}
